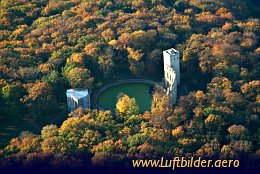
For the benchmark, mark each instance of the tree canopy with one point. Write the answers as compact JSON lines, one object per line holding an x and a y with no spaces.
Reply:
{"x":49,"y":46}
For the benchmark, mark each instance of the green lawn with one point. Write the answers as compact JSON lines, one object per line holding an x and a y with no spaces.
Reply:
{"x":108,"y":98}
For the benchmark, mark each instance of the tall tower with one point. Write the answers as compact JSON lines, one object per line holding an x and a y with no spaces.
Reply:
{"x":171,"y":59}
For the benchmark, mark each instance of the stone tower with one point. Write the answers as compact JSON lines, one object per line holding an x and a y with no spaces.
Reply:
{"x":171,"y":59}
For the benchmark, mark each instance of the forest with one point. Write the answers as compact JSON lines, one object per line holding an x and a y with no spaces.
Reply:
{"x":49,"y":46}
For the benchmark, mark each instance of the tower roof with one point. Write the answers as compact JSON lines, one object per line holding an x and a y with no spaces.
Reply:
{"x":172,"y":51}
{"x":77,"y":94}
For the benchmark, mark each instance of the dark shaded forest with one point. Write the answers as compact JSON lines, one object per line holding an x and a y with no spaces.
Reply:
{"x":49,"y":46}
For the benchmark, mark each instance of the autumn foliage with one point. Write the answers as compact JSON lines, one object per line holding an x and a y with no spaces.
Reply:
{"x":49,"y":46}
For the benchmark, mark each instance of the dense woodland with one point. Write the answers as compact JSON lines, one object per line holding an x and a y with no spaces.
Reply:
{"x":49,"y":46}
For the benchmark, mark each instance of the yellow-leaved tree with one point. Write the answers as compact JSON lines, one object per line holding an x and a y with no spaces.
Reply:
{"x":127,"y":105}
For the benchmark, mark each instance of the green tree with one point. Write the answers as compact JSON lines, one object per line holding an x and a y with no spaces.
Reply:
{"x":136,"y":67}
{"x":80,"y":78}
{"x":11,"y":94}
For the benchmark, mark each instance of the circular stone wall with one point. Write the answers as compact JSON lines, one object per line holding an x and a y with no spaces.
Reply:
{"x":139,"y":89}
